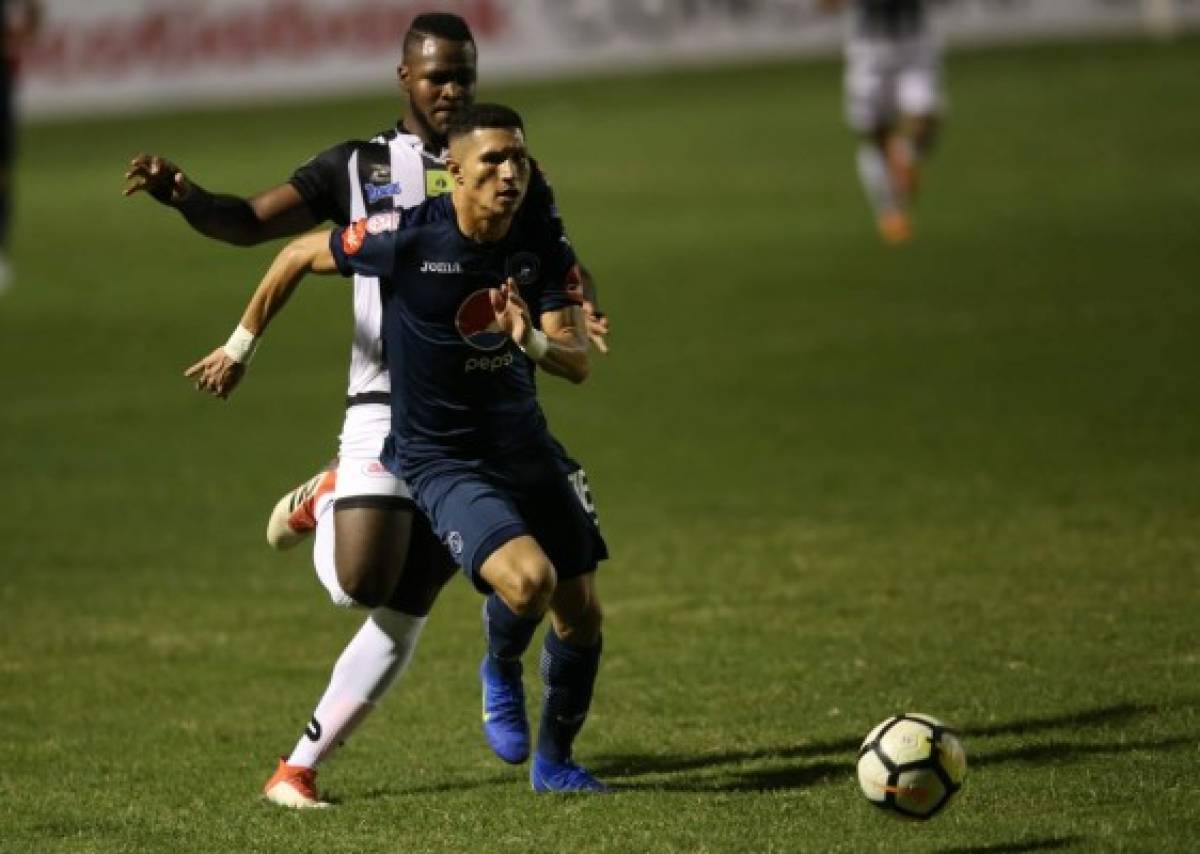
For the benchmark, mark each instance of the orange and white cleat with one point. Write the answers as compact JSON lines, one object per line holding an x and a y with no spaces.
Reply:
{"x":294,"y":786}
{"x":895,"y":228}
{"x":294,"y":516}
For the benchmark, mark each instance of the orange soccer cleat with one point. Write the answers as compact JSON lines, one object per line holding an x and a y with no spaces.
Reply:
{"x":294,"y":515}
{"x":895,"y":228}
{"x":293,"y":786}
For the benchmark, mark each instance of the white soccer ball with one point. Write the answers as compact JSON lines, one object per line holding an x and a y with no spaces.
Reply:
{"x":911,"y":765}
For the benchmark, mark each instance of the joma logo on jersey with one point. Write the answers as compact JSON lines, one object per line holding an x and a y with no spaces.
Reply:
{"x":440,"y":267}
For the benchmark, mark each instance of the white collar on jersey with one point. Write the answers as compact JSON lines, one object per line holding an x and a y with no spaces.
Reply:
{"x":400,"y":132}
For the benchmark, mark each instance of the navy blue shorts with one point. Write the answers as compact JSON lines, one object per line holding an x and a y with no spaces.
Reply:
{"x":477,"y":506}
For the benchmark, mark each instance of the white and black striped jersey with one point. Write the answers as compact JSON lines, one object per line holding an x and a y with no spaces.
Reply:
{"x":889,"y":18}
{"x":391,"y":171}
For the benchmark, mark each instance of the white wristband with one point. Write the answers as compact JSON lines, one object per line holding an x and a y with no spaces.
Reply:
{"x":536,"y":344}
{"x":241,"y":345}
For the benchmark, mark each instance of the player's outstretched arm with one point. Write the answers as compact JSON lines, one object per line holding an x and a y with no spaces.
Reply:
{"x":274,"y":213}
{"x":560,"y":347}
{"x":220,"y":371}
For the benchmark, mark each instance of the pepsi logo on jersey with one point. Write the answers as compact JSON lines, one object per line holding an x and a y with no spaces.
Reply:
{"x":476,"y":322}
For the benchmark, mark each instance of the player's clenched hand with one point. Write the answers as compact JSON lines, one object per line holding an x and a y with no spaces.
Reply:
{"x":512,"y":314}
{"x":597,"y":326}
{"x":157,"y":176}
{"x":216,"y":373}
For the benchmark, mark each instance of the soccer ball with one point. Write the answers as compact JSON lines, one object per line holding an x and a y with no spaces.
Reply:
{"x":911,"y":765}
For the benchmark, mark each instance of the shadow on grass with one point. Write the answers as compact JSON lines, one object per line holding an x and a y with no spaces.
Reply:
{"x":800,"y":776}
{"x":1117,"y":713}
{"x":1065,"y":751}
{"x":1050,"y":844}
{"x":461,"y":784}
{"x":624,"y":769}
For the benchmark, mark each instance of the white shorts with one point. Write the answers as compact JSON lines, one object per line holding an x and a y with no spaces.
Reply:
{"x":889,"y":78}
{"x":359,"y":471}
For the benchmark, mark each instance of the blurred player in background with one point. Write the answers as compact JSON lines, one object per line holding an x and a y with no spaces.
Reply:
{"x":361,"y":546}
{"x":458,"y":275}
{"x":19,"y":20}
{"x":893,"y":101}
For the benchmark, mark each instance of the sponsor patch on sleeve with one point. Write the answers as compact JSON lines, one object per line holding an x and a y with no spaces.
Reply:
{"x":381,"y":222}
{"x":353,"y":235}
{"x":437,"y":182}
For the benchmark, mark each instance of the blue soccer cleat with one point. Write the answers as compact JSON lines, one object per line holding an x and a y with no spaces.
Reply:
{"x":547,"y":776}
{"x":504,"y":722}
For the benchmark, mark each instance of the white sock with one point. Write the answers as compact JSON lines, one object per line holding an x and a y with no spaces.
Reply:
{"x":876,"y":179}
{"x":323,"y":552}
{"x":374,"y":659}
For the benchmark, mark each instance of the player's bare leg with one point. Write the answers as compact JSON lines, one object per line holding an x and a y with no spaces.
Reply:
{"x":522,"y":576}
{"x":370,"y":546}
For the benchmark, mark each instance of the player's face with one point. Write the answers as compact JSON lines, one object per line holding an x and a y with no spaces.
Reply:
{"x":439,"y":77}
{"x":491,"y":168}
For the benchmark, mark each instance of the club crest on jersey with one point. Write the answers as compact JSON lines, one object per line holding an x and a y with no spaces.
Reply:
{"x":376,"y":192}
{"x":476,"y":322}
{"x":524,"y":267}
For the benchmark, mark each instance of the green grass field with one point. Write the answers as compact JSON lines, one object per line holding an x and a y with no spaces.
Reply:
{"x":838,"y":482}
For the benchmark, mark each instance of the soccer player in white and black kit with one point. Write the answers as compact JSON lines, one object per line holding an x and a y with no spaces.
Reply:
{"x":371,"y":550}
{"x":893,"y":102}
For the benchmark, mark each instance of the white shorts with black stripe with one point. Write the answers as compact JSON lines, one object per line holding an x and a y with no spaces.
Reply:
{"x":888,"y":78}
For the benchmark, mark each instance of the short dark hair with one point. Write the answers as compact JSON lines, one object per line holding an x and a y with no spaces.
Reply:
{"x":477,"y":116}
{"x":442,"y":25}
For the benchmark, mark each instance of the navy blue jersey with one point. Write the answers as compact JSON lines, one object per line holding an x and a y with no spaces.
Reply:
{"x":460,"y":386}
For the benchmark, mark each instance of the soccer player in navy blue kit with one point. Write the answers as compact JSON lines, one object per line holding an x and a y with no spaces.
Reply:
{"x":370,"y":549}
{"x":475,"y":295}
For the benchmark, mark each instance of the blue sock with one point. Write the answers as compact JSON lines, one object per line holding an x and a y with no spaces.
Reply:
{"x":570,"y":675}
{"x":508,"y":636}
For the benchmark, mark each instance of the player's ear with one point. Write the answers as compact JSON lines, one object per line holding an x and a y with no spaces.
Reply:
{"x":402,"y":76}
{"x":455,"y":170}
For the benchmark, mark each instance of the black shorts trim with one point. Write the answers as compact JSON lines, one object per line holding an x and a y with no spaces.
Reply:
{"x":382,"y":397}
{"x":379,"y":502}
